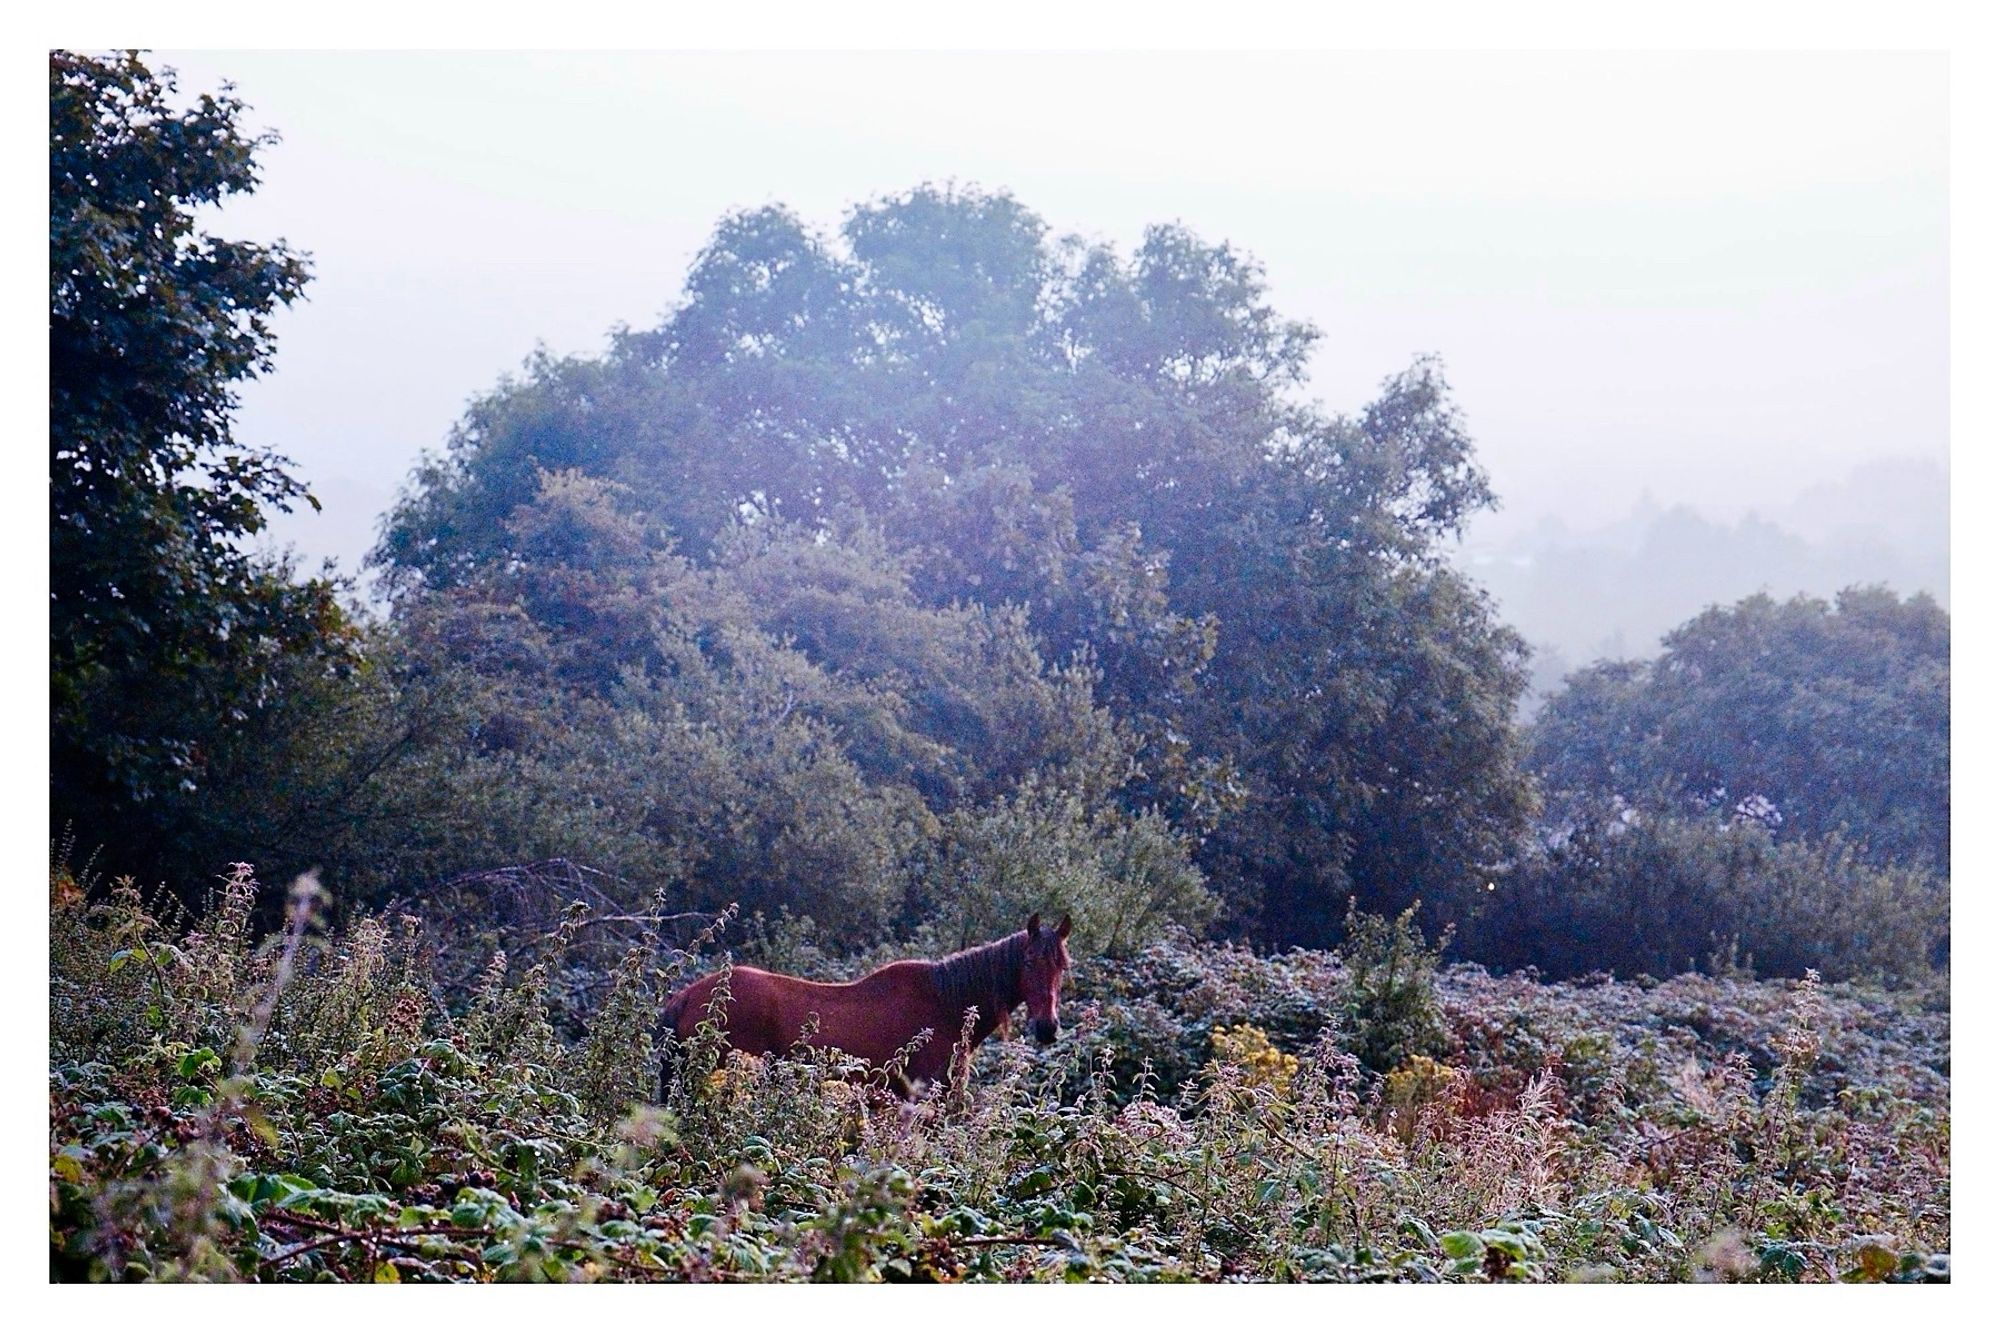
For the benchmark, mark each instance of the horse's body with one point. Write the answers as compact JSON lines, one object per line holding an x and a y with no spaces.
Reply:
{"x":877,"y":1016}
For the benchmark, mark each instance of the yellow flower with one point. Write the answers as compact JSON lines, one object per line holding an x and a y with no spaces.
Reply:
{"x":1249,"y":1048}
{"x":1412,"y":1086}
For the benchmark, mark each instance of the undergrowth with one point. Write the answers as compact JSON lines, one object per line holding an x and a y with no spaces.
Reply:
{"x":314,"y":1106}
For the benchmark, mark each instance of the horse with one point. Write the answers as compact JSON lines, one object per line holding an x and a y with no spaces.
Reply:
{"x":880,"y":1014}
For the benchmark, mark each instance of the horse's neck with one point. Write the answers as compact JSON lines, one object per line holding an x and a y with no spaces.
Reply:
{"x":1006,"y":994}
{"x":992,"y":982}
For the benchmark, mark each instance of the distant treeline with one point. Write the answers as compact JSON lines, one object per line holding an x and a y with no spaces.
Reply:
{"x":1613,"y":591}
{"x":905,"y":579}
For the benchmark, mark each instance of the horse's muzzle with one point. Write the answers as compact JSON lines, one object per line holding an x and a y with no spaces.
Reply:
{"x":1045,"y":1030}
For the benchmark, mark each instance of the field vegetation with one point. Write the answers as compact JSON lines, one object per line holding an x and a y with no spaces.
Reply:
{"x":313,"y":1106}
{"x":903,"y":580}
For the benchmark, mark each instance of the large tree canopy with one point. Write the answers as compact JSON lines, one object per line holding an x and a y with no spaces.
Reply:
{"x":1809,"y":718}
{"x":165,"y":637}
{"x":786,"y":726}
{"x":1118,"y":445}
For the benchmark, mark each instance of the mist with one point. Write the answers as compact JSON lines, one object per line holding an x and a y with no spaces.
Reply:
{"x":1686,"y":302}
{"x":1393,"y":608}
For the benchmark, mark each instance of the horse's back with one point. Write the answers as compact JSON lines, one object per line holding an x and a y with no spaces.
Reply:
{"x":770,"y":1011}
{"x":687,"y":1008}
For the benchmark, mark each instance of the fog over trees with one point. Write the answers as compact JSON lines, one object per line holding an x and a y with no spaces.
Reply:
{"x":1579,"y":593}
{"x":929,"y":615}
{"x":918,"y":572}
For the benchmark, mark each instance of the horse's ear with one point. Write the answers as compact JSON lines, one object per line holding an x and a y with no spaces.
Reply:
{"x":1034,"y":924}
{"x":1062,"y":931}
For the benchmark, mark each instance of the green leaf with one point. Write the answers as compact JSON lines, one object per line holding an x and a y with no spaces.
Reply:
{"x":1462,"y":1244}
{"x":196,"y":1061}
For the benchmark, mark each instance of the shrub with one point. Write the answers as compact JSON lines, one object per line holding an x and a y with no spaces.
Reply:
{"x":1390,"y":990}
{"x":1124,"y":880}
{"x":1658,"y":895}
{"x":1411,"y":1087}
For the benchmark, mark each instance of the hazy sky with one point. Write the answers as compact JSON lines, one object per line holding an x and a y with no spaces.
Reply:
{"x":1719,"y":278}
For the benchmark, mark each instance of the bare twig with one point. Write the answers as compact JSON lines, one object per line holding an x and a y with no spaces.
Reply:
{"x":398,"y":1238}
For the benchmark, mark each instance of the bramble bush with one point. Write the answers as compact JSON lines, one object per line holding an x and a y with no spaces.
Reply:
{"x":311,"y":1105}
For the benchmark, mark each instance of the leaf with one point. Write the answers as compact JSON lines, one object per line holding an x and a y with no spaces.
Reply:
{"x":260,"y":1125}
{"x":194,"y":1062}
{"x":299,"y":1190}
{"x":1782,"y":1259}
{"x":1462,"y":1244}
{"x":385,"y":1271}
{"x":1873,"y":1263}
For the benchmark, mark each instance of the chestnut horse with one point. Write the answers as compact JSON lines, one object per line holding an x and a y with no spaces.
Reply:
{"x":878,"y":1015}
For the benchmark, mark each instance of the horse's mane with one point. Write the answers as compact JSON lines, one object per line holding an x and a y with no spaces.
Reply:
{"x":987,"y":975}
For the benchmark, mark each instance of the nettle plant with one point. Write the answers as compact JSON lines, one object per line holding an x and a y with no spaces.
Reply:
{"x":311,"y":1105}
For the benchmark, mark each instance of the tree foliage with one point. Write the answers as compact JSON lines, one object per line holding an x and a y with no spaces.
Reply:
{"x":1116,"y":447}
{"x":787,"y":727}
{"x":1660,"y":895}
{"x":899,"y":579}
{"x":1813,"y":719}
{"x":167,"y":640}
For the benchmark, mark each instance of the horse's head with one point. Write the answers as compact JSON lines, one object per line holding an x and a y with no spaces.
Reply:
{"x":1042,"y":970}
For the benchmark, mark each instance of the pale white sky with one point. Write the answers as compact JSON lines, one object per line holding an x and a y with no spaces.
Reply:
{"x":1720,"y":278}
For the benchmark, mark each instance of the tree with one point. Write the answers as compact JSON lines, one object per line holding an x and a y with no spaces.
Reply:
{"x":165,"y":636}
{"x":1120,"y":447}
{"x":1813,"y":719}
{"x":788,"y":726}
